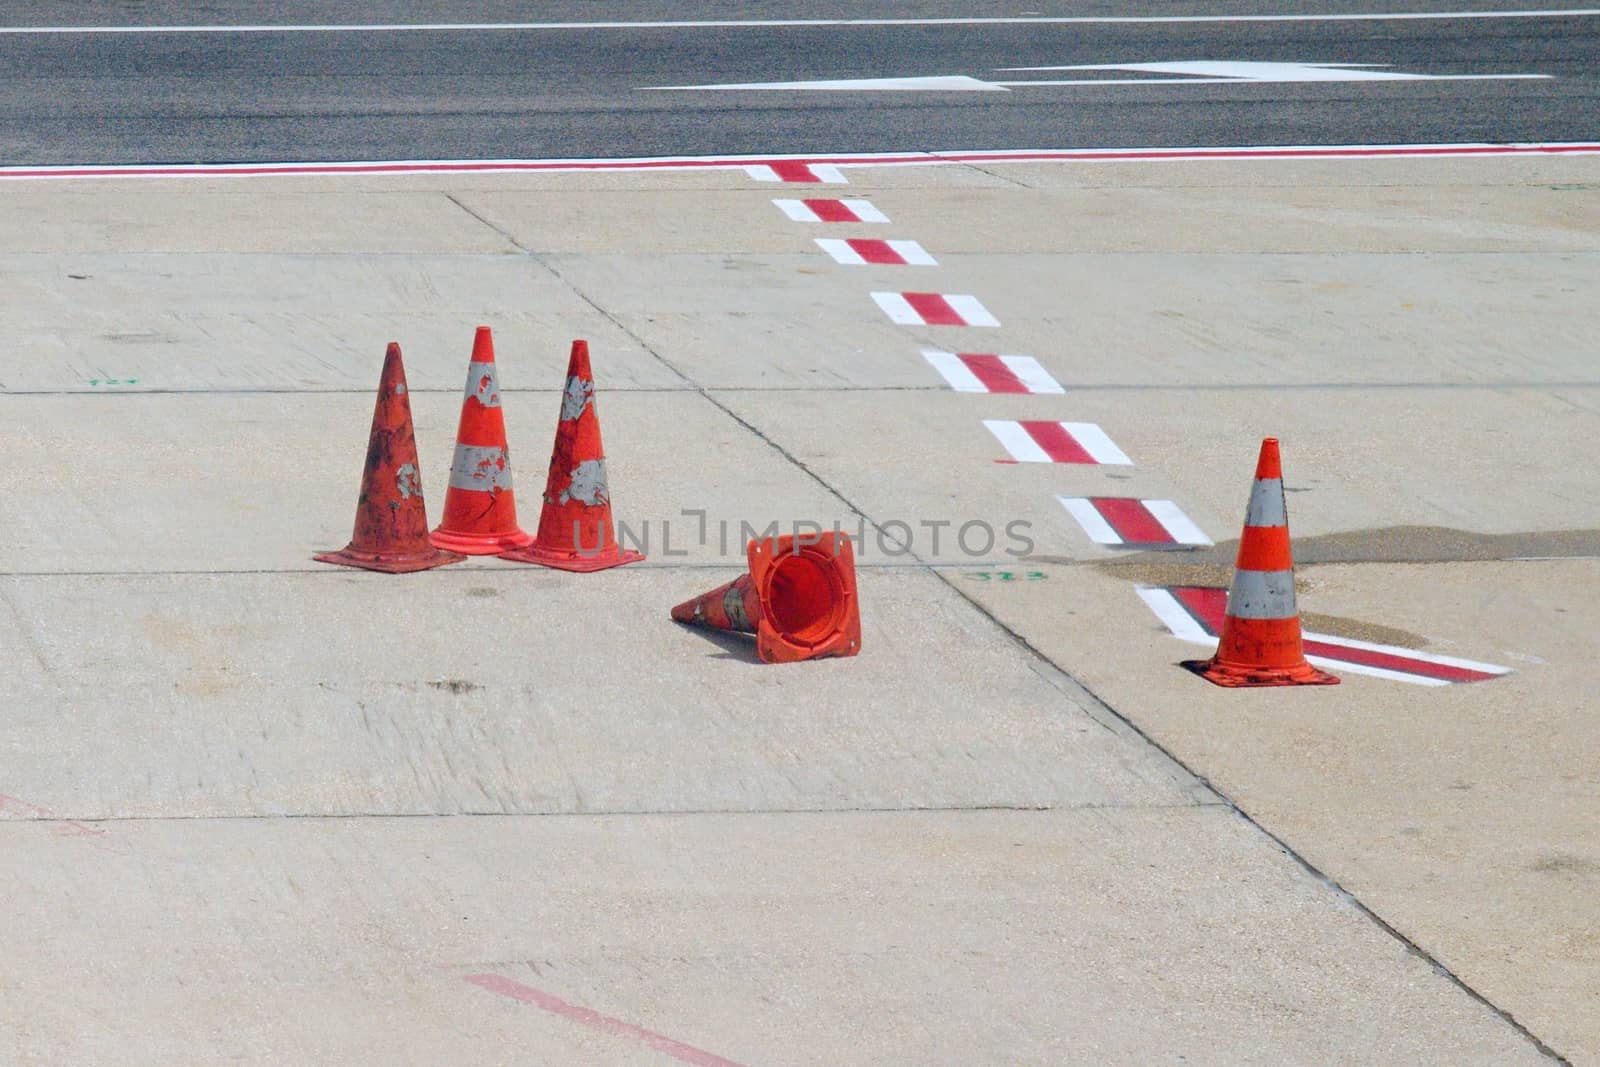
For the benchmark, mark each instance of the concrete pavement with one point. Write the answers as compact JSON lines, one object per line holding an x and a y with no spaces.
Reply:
{"x":234,"y":782}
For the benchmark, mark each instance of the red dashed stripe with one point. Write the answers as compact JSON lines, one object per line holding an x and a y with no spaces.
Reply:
{"x":793,"y":171}
{"x":1060,"y":445}
{"x":874,"y":251}
{"x":832,"y":210}
{"x":994,"y":374}
{"x":1132,"y":520}
{"x":934,"y":309}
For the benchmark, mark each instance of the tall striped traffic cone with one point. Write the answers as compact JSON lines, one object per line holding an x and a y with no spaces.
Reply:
{"x":575,"y":528}
{"x":799,"y":599}
{"x":480,"y":510}
{"x":391,"y":533}
{"x":1260,"y":642}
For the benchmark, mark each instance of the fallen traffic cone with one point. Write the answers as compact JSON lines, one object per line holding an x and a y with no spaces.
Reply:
{"x":799,"y":599}
{"x":1260,"y":643}
{"x":480,"y":510}
{"x":575,"y":529}
{"x":391,"y":532}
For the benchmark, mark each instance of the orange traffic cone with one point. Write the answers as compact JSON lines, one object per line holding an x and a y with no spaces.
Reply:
{"x":1260,"y":643}
{"x":480,"y":510}
{"x":575,"y":529}
{"x":799,"y":599}
{"x":391,"y":532}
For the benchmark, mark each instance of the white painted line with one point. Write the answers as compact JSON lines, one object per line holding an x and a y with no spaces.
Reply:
{"x":1410,"y":653}
{"x":762,"y":167}
{"x":1023,"y":448}
{"x":1032,"y":374}
{"x":913,"y":253}
{"x":1342,"y":666}
{"x":1094,"y":524}
{"x":957,"y":373}
{"x":942,"y":83}
{"x":865,"y":211}
{"x":969,"y":308}
{"x":1252,"y":81}
{"x":1023,"y":20}
{"x":1176,"y":618}
{"x":1179,"y":525}
{"x":898,"y":309}
{"x":828,"y":174}
{"x":1095,"y":442}
{"x":1195,"y":72}
{"x":841,"y":251}
{"x":797,"y":210}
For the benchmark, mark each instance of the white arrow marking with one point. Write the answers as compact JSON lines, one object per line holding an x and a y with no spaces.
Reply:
{"x":1209,"y":71}
{"x":950,"y":83}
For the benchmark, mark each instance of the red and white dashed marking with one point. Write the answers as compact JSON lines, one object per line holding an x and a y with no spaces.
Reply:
{"x":795,"y":170}
{"x":1115,"y":520}
{"x":860,"y":251}
{"x":974,"y":372}
{"x":1195,"y":614}
{"x":934,"y":309}
{"x":1056,"y":442}
{"x":831,"y":210}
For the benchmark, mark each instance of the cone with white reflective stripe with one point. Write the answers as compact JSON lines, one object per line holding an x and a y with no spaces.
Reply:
{"x":480,"y":510}
{"x":1261,"y":643}
{"x":575,"y":528}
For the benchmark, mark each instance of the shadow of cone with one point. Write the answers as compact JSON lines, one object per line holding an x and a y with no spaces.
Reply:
{"x":480,"y":509}
{"x":1261,"y":643}
{"x":391,"y":533}
{"x":799,"y":599}
{"x":575,"y":528}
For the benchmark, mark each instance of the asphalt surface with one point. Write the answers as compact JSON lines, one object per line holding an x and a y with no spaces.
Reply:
{"x":168,"y":97}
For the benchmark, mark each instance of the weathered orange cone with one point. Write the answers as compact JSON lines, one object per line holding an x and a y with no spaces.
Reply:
{"x":480,"y":510}
{"x":575,"y":528}
{"x":1260,"y":643}
{"x":391,"y":532}
{"x":799,"y":599}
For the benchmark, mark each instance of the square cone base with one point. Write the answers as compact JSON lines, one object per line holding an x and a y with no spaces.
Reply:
{"x":1261,"y":678}
{"x":573,"y":561}
{"x":391,"y":564}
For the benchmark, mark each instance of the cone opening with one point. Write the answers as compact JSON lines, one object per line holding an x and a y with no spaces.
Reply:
{"x":804,"y":598}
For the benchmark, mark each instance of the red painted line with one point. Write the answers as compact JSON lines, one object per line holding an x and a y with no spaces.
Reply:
{"x":831,"y":210}
{"x":1132,"y":521}
{"x":995,"y":375}
{"x":874,"y":251}
{"x":793,"y":170}
{"x":1208,"y":606}
{"x":934,"y":309}
{"x":1058,"y":444}
{"x":495,"y":983}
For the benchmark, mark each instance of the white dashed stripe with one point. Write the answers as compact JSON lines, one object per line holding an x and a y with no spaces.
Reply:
{"x":1023,"y":448}
{"x":1094,"y":524}
{"x":969,"y":308}
{"x":1032,"y":374}
{"x":955,"y":371}
{"x":1179,"y":525}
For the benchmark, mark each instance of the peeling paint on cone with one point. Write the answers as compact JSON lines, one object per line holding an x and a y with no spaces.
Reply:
{"x":575,"y":528}
{"x":391,"y":528}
